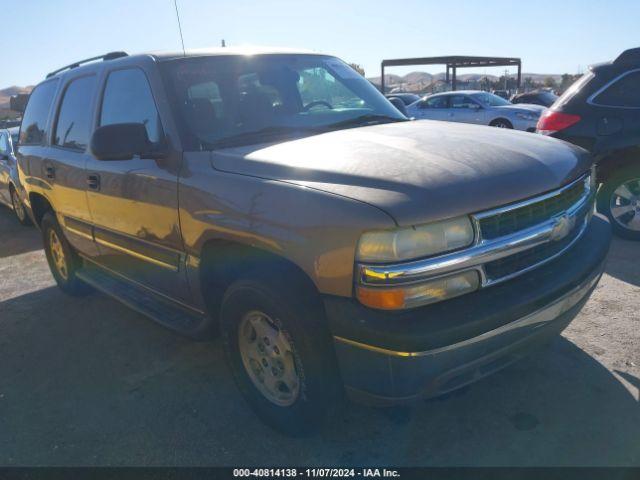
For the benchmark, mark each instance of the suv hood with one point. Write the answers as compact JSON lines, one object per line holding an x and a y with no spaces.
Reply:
{"x":416,"y":171}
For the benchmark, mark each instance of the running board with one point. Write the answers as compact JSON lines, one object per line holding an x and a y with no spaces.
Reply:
{"x":160,"y":309}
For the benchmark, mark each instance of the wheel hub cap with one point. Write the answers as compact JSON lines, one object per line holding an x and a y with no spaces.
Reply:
{"x":57,"y":254}
{"x":625,"y":205}
{"x":268,"y":358}
{"x":17,"y":205}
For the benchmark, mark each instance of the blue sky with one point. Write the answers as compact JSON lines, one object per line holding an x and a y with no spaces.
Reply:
{"x":551,"y":36}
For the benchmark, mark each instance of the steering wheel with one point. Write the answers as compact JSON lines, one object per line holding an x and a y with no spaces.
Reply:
{"x":317,"y":103}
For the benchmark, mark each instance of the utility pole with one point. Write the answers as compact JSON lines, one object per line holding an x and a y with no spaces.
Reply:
{"x":506,"y":72}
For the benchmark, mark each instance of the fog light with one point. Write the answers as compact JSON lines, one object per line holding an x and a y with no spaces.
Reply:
{"x":417,"y":295}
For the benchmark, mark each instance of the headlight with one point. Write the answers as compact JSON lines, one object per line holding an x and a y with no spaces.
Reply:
{"x":432,"y":291}
{"x":528,"y":116}
{"x":415,"y":242}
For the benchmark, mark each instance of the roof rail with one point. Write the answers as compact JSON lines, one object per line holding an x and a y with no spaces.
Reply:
{"x":631,"y":56}
{"x":105,"y":57}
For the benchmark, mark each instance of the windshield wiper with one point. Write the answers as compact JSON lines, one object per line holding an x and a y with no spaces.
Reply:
{"x":256,"y":136}
{"x":368,"y":119}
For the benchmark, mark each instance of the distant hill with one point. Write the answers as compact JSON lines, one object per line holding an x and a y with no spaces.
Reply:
{"x":6,"y":93}
{"x":414,"y":81}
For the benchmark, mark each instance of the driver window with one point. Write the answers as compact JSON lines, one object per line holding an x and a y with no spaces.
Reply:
{"x":319,"y":88}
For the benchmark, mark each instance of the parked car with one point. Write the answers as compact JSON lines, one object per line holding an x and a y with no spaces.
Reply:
{"x":11,"y":191}
{"x":407,"y":98}
{"x":502,"y":94}
{"x":277,"y":197}
{"x":537,"y":97}
{"x":601,"y":112}
{"x":474,"y":106}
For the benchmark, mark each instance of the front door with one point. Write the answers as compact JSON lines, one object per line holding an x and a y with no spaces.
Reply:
{"x":134,"y":203}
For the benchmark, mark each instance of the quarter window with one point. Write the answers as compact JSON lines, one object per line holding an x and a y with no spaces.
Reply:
{"x":74,"y":118}
{"x":625,"y":92}
{"x":128,"y":99}
{"x":34,"y":122}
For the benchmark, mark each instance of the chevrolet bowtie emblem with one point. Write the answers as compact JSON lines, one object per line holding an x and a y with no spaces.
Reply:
{"x":563,"y":226}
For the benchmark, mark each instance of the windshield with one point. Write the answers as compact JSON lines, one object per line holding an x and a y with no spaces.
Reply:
{"x":490,"y":100}
{"x":238,"y":100}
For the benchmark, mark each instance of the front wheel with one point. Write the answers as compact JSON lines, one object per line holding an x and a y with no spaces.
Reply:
{"x":63,"y":261}
{"x":18,"y":208}
{"x":280,"y":353}
{"x":619,"y":200}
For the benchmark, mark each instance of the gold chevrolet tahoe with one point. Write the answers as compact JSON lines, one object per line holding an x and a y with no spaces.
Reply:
{"x":277,"y":199}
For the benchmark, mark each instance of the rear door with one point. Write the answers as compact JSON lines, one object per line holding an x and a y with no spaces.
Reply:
{"x":67,"y":158}
{"x":463,"y":109}
{"x":432,"y":108}
{"x":4,"y":167}
{"x":134,"y":203}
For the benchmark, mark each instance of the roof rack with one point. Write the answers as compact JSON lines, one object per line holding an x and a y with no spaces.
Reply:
{"x":105,"y":57}
{"x":631,"y":56}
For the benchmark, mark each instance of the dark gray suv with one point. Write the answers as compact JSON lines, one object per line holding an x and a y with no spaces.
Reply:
{"x":278,"y":199}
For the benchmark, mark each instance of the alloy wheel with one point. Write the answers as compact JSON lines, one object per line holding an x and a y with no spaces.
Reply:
{"x":18,"y":207}
{"x":57,"y":254}
{"x":625,"y":205}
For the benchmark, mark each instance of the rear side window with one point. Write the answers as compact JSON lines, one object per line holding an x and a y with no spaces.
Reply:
{"x":624,"y":92}
{"x":34,"y":122}
{"x":74,"y":117}
{"x":435,"y":102}
{"x":128,"y":99}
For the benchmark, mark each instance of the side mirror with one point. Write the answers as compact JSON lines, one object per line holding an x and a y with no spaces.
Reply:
{"x":121,"y":141}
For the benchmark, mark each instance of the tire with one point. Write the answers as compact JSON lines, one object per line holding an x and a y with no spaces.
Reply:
{"x":501,"y":123}
{"x":295,"y":323}
{"x":18,"y":208}
{"x":619,"y":200}
{"x":63,"y":261}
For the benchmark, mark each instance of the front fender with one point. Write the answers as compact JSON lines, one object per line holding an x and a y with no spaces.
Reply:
{"x":315,"y":230}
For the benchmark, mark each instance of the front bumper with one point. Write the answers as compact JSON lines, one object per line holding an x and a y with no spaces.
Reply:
{"x":395,"y":357}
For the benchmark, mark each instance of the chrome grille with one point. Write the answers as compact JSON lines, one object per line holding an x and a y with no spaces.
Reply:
{"x":573,"y":201}
{"x":515,"y":264}
{"x":520,"y":218}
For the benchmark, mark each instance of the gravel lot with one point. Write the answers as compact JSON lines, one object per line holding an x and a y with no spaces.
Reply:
{"x":90,"y":382}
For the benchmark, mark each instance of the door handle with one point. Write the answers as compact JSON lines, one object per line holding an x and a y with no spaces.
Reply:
{"x":93,"y":182}
{"x":50,"y":172}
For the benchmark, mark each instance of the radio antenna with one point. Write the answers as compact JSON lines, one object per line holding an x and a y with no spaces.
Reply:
{"x":175,"y":4}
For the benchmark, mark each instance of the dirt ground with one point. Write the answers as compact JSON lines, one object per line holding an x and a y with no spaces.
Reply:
{"x":90,"y":382}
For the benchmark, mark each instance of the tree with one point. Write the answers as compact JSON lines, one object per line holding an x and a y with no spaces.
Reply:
{"x":549,"y":82}
{"x":357,"y":68}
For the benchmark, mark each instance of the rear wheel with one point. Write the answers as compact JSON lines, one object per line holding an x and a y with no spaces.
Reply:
{"x":619,"y":200}
{"x":501,"y":123}
{"x":63,"y":261}
{"x":280,"y":352}
{"x":18,"y":208}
